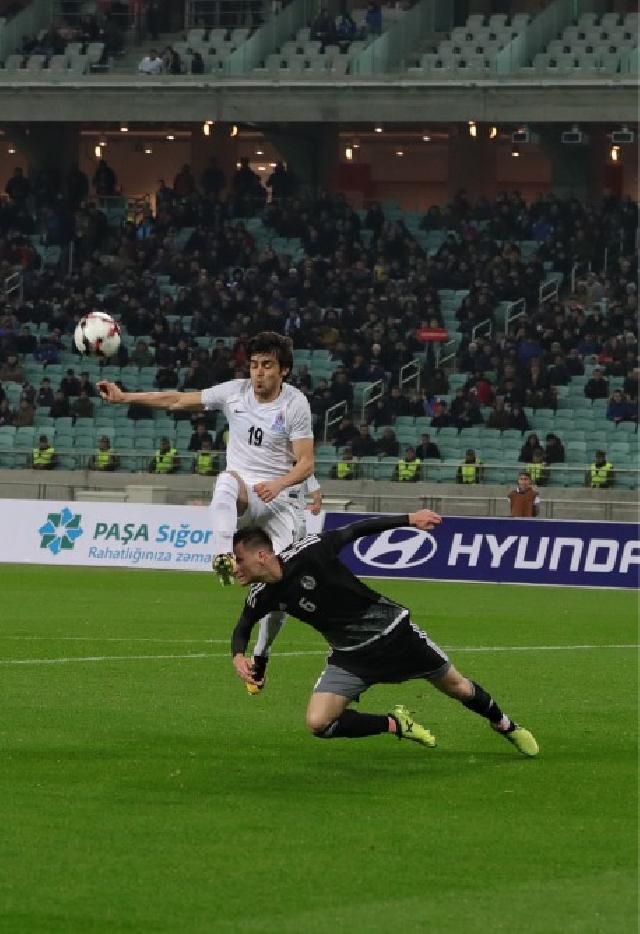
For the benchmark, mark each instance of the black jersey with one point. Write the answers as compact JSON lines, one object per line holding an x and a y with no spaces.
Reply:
{"x":318,"y":589}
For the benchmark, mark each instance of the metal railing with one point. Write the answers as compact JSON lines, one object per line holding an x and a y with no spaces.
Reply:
{"x":548,"y":291}
{"x":371,"y":394}
{"x":557,"y":476}
{"x":445,"y":471}
{"x":514,"y":312}
{"x":332,"y":416}
{"x":483,"y":328}
{"x":14,"y":283}
{"x":409,"y":372}
{"x":445,"y":352}
{"x":128,"y":461}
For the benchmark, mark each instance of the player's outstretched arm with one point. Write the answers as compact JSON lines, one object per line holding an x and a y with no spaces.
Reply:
{"x":239,"y":642}
{"x":174,"y":401}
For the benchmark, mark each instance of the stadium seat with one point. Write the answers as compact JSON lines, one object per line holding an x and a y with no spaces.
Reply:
{"x":576,"y":452}
{"x":7,"y":436}
{"x":385,"y":468}
{"x":24,"y":439}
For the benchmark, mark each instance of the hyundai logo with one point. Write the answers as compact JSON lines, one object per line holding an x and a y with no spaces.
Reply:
{"x":396,"y":549}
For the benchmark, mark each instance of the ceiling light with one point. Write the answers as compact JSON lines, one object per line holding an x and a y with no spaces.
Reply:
{"x":377,"y":129}
{"x":237,"y":165}
{"x":259,"y":152}
{"x":102,"y":143}
{"x":234,"y":130}
{"x":170,"y":136}
{"x":124,"y":129}
{"x":473,"y":129}
{"x":355,"y":145}
{"x":348,"y":153}
{"x":97,"y":152}
{"x":148,"y":150}
{"x":426,"y":138}
{"x":399,"y":152}
{"x":206,"y":129}
{"x":11,"y":151}
{"x":272,"y":165}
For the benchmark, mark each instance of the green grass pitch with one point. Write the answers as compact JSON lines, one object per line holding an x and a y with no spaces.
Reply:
{"x":141,"y":789}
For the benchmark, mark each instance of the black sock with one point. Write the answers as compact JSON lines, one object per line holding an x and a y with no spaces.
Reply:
{"x":484,"y":705}
{"x":260,"y":663}
{"x":351,"y":725}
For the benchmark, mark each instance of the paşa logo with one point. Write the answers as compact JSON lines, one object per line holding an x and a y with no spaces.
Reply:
{"x":60,"y":531}
{"x":396,"y":549}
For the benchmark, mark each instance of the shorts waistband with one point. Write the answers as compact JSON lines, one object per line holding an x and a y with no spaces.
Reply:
{"x":379,"y":635}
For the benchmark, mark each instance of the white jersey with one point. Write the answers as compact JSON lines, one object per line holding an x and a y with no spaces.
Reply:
{"x":260,"y":433}
{"x":310,"y":485}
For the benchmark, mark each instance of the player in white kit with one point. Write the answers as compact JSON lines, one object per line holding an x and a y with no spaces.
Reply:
{"x":269,"y":456}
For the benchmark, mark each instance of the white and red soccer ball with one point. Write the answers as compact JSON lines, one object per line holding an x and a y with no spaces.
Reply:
{"x":97,"y":334}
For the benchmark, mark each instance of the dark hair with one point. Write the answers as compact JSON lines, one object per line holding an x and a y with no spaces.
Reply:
{"x":252,"y":537}
{"x":272,"y":342}
{"x":525,"y":473}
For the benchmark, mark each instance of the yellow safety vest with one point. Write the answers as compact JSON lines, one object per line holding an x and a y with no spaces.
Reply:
{"x":43,"y":458}
{"x":164,"y":462}
{"x":408,"y":469}
{"x":102,"y":460}
{"x":600,"y":475}
{"x":469,"y":472}
{"x":535,"y":471}
{"x":344,"y":470}
{"x":204,"y":463}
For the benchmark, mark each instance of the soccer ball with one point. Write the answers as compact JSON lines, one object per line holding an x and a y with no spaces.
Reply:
{"x":97,"y":334}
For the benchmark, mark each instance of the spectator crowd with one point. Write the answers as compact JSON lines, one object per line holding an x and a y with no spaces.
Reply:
{"x":363,"y":289}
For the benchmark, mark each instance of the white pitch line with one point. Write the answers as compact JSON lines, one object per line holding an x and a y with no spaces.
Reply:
{"x":200,"y":655}
{"x":225,"y":641}
{"x":130,"y":658}
{"x":116,"y":639}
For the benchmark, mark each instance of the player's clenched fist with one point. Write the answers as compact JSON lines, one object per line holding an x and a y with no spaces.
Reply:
{"x":424,"y":519}
{"x":110,"y":392}
{"x":244,"y":668}
{"x":268,"y":490}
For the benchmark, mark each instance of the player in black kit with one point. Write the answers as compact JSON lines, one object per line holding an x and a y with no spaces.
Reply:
{"x":372,"y":638}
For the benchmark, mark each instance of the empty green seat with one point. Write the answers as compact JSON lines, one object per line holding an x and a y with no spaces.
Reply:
{"x":24,"y":439}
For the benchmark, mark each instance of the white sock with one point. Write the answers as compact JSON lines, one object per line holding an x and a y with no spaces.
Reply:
{"x":224,"y":513}
{"x":270,"y":626}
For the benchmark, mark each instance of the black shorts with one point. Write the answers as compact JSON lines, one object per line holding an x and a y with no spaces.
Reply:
{"x":404,"y":654}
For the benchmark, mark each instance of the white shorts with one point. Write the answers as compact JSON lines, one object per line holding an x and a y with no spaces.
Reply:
{"x":282,"y":519}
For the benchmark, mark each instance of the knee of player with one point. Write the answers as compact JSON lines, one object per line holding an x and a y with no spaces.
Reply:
{"x":455,"y":684}
{"x":318,"y":724}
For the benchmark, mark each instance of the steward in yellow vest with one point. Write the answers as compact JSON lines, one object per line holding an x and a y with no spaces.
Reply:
{"x":537,"y":469}
{"x":205,"y":463}
{"x":408,"y":468}
{"x":104,"y":458}
{"x":346,"y":468}
{"x":470,"y":471}
{"x":44,"y":456}
{"x":165,"y":459}
{"x":600,"y":473}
